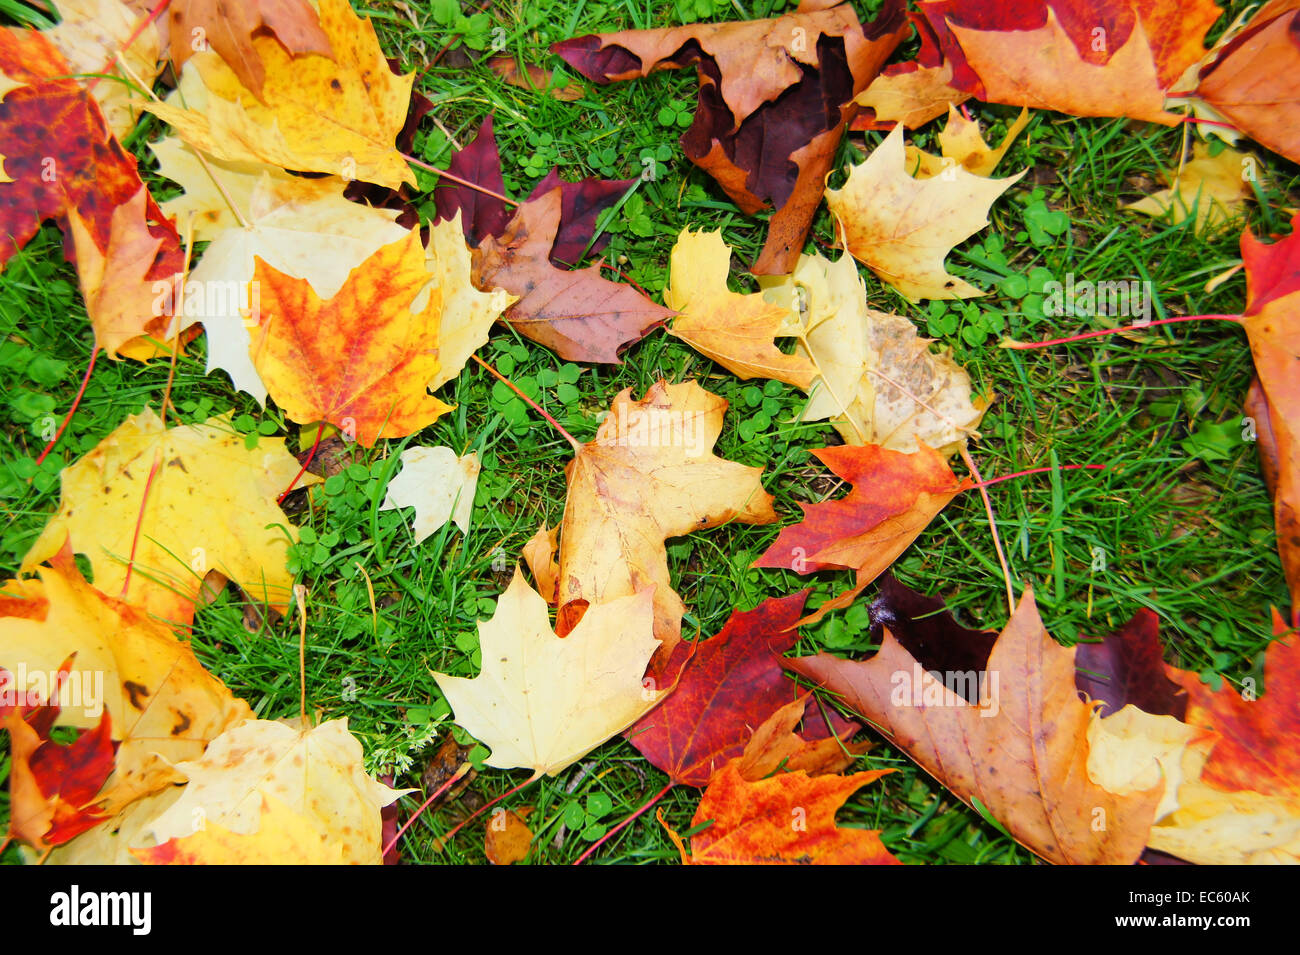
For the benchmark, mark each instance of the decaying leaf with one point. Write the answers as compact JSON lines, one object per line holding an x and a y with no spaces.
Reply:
{"x":774,"y":98}
{"x":539,"y":555}
{"x":162,"y":705}
{"x":648,"y":475}
{"x":1022,"y":752}
{"x":542,"y":702}
{"x":438,"y":484}
{"x":878,"y":381}
{"x":534,"y":78}
{"x":508,"y":838}
{"x":154,"y":509}
{"x":903,"y":228}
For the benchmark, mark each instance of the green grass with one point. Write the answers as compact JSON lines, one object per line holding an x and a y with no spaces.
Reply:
{"x":1180,"y":521}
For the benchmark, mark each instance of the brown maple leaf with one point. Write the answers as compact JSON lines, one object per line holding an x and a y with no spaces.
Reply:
{"x":578,"y":314}
{"x":1021,"y":753}
{"x":774,"y":99}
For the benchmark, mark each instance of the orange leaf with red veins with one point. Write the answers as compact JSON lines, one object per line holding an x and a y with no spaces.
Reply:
{"x":1256,"y":751}
{"x":894,"y":498}
{"x":788,"y":819}
{"x":1272,"y":323}
{"x":361,"y":360}
{"x":62,"y":160}
{"x":577,"y":314}
{"x":1084,"y":57}
{"x":648,"y":475}
{"x":229,"y":28}
{"x":1022,"y":754}
{"x":1251,"y":81}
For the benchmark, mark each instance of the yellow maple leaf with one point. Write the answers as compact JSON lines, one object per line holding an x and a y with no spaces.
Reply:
{"x":210,"y":505}
{"x":903,"y":228}
{"x":735,"y":330}
{"x":315,"y":774}
{"x":543,"y":702}
{"x":282,"y":838}
{"x":648,"y":475}
{"x":961,"y":144}
{"x":1211,"y":188}
{"x":337,"y":115}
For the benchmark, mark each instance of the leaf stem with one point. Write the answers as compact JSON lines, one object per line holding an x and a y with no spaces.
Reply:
{"x":573,"y":442}
{"x":1008,"y":343}
{"x":76,"y":403}
{"x":609,"y":835}
{"x":456,"y":179}
{"x":993,"y":527}
{"x":455,"y":778}
{"x":1008,"y":477}
{"x":320,"y":429}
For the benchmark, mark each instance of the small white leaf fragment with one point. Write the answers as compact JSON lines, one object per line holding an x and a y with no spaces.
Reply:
{"x":438,"y":484}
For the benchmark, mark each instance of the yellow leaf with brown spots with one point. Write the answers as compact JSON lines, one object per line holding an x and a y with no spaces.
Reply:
{"x":163,"y":705}
{"x":337,"y":115}
{"x":155,"y":509}
{"x":361,"y":360}
{"x":315,"y":774}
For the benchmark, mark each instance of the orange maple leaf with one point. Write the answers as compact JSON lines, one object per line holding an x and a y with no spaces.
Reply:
{"x":361,"y":360}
